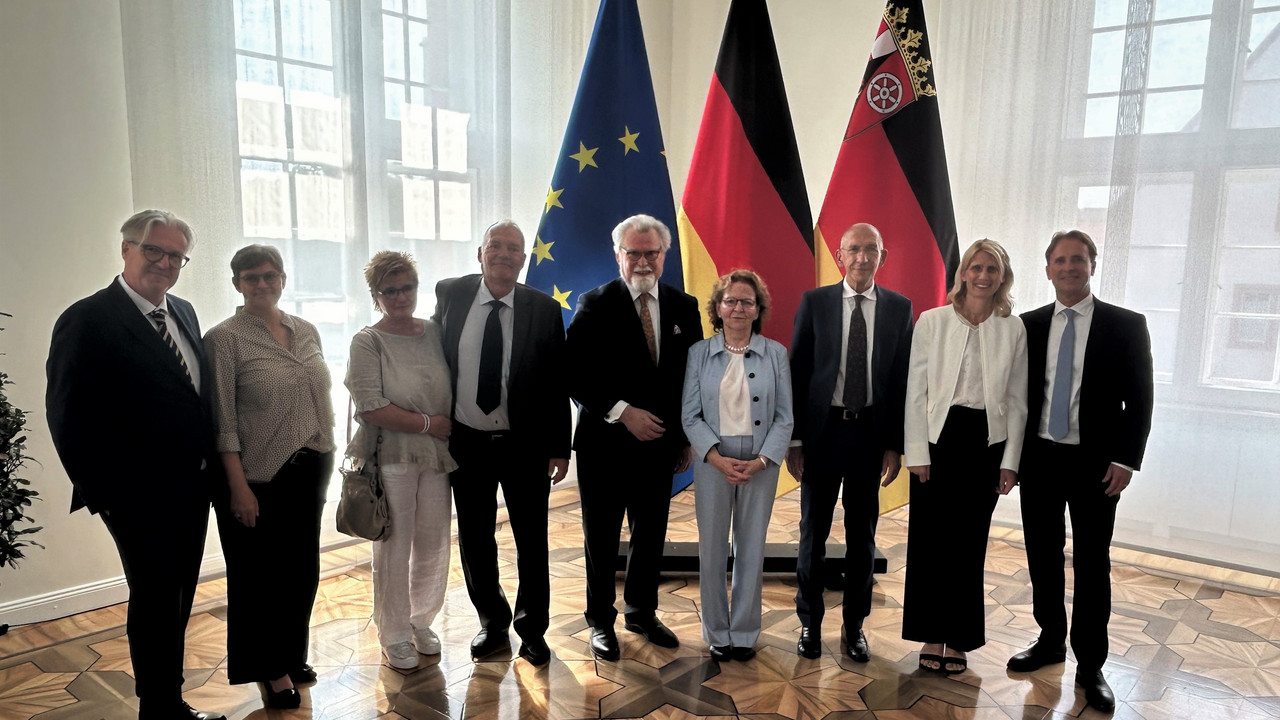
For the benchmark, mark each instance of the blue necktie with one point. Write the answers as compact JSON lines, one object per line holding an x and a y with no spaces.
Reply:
{"x":1060,"y":403}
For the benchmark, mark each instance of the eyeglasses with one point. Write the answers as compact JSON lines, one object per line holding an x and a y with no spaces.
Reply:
{"x":252,"y":279}
{"x":650,"y":255}
{"x":154,"y":254}
{"x":397,"y":291}
{"x":745,"y":303}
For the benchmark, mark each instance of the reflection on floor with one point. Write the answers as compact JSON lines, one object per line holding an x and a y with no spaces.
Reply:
{"x":1188,"y":641}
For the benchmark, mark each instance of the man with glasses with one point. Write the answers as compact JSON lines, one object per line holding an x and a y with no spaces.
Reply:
{"x":628,"y":343}
{"x":849,"y":353}
{"x":504,"y":342}
{"x":128,"y":407}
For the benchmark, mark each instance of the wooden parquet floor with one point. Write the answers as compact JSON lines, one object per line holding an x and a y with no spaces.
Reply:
{"x":1188,"y":641}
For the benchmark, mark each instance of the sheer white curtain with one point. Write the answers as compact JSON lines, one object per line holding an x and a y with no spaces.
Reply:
{"x":1155,"y":127}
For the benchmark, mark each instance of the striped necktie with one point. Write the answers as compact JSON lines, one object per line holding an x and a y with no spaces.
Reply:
{"x":158,"y":317}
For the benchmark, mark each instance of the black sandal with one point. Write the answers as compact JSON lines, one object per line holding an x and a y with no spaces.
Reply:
{"x":930,"y":657}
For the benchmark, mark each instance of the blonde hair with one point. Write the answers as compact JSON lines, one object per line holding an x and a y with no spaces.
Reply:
{"x":1003,"y":301}
{"x":385,"y":263}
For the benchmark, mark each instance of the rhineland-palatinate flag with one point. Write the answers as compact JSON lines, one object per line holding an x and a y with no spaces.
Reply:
{"x":612,"y":165}
{"x":892,"y":168}
{"x":745,"y":203}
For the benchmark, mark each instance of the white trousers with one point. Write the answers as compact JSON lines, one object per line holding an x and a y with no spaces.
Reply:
{"x":411,"y":564}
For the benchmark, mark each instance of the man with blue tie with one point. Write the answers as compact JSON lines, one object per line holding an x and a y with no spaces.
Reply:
{"x":128,"y":403}
{"x":1089,"y":414}
{"x":849,"y":354}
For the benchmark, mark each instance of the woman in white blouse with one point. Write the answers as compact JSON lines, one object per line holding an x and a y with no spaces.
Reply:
{"x":737,"y":415}
{"x":403,"y":396}
{"x":965,"y":417}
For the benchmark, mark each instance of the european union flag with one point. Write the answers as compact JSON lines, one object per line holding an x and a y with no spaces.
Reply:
{"x":612,"y":165}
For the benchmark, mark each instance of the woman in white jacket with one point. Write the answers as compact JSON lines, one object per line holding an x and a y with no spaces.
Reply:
{"x":965,"y":417}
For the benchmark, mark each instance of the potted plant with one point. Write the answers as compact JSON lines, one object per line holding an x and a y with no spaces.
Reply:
{"x":15,"y":492}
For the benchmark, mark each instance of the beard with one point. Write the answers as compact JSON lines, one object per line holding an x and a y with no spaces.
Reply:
{"x":642,"y":283}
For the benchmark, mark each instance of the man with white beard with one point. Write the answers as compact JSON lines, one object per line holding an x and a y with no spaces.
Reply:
{"x":627,"y":346}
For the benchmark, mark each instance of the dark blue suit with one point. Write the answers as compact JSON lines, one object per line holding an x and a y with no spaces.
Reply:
{"x":137,"y":442}
{"x":838,"y":450}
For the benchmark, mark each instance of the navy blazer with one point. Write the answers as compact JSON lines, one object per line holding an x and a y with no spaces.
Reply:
{"x":815,"y":361}
{"x":609,"y":361}
{"x":537,"y":397}
{"x":125,"y":420}
{"x":1116,"y":384}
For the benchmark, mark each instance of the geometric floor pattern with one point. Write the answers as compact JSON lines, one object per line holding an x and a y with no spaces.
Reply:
{"x":1187,"y":641}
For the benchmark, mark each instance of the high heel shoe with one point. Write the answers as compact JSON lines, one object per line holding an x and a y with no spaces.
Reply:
{"x":286,"y":699}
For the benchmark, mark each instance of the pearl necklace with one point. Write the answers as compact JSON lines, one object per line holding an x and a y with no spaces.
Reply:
{"x":738,"y":350}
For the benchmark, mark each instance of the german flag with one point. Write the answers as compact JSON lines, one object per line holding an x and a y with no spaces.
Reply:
{"x":892,"y":168}
{"x":745,"y":203}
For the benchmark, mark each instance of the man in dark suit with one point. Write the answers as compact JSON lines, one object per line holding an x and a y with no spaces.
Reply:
{"x":849,"y":353}
{"x":128,"y":407}
{"x":1089,"y":414}
{"x":628,"y":343}
{"x":504,"y":342}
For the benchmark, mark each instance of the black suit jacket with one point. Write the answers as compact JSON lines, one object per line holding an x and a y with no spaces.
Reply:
{"x":1116,"y":387}
{"x":815,"y":362}
{"x":609,"y":361}
{"x":125,"y":420}
{"x":537,"y":399}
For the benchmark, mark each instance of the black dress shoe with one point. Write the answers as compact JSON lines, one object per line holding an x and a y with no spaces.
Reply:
{"x":1037,"y":656}
{"x":1096,"y":690}
{"x":654,"y":631}
{"x":743,"y":654}
{"x":857,"y":648}
{"x":721,"y":653}
{"x":810,"y":644}
{"x":181,"y":711}
{"x":535,"y":650}
{"x":488,"y":641}
{"x":303,"y":675}
{"x":286,"y":699}
{"x":604,"y":643}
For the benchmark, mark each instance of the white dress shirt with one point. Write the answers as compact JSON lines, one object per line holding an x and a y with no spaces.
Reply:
{"x":615,"y":413}
{"x":469,"y":344}
{"x":868,"y":314}
{"x":175,"y":329}
{"x":1082,"y":322}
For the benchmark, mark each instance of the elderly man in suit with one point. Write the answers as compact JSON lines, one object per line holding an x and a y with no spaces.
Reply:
{"x":504,"y":342}
{"x":849,"y":353}
{"x":628,"y":343}
{"x":1089,"y":413}
{"x":129,"y":411}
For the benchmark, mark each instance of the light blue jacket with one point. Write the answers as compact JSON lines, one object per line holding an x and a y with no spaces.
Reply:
{"x":768,"y":377}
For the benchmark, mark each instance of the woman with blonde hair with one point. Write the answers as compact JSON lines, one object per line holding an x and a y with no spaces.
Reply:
{"x":965,"y":418}
{"x":403,"y":398}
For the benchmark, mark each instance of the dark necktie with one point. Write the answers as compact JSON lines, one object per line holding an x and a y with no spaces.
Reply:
{"x":1060,"y":402}
{"x":646,"y":320}
{"x":489,"y":384}
{"x":855,"y":368}
{"x":157,"y":316}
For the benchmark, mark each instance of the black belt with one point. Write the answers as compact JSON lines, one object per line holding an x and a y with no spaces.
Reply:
{"x":845,"y":414}
{"x":304,"y":455}
{"x":471,"y":433}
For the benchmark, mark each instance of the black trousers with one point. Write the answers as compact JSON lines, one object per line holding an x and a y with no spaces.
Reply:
{"x":847,"y":453}
{"x":486,"y":461}
{"x":610,"y":485}
{"x":273,"y":570}
{"x":943,"y":598}
{"x":161,"y":543}
{"x":1060,"y":478}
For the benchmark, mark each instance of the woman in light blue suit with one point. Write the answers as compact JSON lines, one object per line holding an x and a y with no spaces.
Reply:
{"x":737,"y":415}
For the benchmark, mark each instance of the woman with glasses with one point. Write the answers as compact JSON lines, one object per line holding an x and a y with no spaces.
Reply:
{"x":737,"y":416}
{"x":966,"y":414}
{"x":275,"y":434}
{"x":403,"y":394}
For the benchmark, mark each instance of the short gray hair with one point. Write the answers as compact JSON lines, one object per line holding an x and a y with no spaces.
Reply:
{"x":136,"y":229}
{"x":641,"y":223}
{"x":251,"y":256}
{"x":507,"y":223}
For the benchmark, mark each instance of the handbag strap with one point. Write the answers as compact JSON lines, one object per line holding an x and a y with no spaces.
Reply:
{"x":350,"y":414}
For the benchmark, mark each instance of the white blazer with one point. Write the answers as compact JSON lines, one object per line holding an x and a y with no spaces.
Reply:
{"x":937,"y":347}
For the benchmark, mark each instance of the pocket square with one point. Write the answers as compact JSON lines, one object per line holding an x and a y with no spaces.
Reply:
{"x":675,"y":329}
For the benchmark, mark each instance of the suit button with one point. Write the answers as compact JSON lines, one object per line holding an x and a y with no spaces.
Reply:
{"x":755,"y":399}
{"x":757,"y":422}
{"x":751,"y":375}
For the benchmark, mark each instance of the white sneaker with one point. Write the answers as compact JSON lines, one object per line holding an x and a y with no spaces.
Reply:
{"x":426,"y":641}
{"x":401,"y":656}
